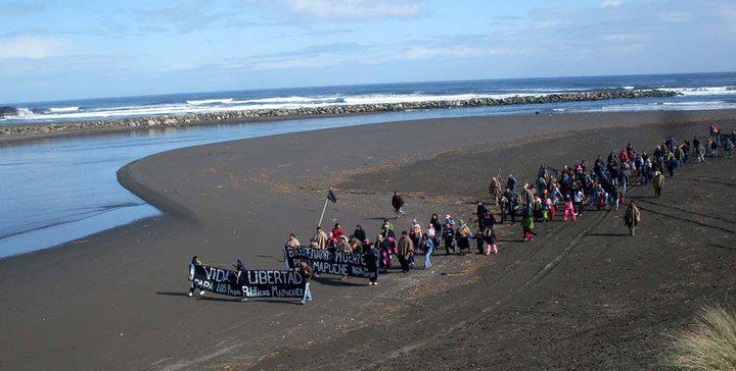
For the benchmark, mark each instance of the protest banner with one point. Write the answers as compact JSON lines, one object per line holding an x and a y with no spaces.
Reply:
{"x":249,"y":283}
{"x":328,"y":262}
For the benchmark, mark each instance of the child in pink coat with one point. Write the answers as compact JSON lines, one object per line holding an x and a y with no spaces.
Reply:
{"x":569,"y":208}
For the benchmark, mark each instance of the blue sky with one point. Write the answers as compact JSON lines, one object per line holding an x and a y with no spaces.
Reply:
{"x":70,"y":49}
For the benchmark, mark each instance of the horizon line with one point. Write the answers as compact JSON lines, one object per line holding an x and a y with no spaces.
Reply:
{"x":15,"y":104}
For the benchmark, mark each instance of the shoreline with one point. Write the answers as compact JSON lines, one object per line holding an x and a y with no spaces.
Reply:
{"x":248,"y":197}
{"x":22,"y":131}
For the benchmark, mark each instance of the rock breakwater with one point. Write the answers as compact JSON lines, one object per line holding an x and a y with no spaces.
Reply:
{"x":9,"y":132}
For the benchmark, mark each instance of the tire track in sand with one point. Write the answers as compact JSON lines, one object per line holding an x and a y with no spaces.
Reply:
{"x":574,"y":242}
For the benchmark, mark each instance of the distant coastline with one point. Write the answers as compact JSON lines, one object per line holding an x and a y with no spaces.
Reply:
{"x":13,"y":132}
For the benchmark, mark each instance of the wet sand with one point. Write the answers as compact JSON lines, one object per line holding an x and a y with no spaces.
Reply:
{"x":583,"y":295}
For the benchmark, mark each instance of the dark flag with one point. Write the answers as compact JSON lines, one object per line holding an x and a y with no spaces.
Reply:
{"x":331,"y":196}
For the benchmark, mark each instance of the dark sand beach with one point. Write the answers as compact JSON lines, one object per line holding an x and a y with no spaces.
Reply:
{"x":584,"y":295}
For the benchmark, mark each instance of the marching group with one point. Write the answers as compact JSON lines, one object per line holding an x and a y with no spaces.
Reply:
{"x":573,"y":189}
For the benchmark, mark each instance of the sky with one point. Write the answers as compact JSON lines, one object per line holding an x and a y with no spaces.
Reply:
{"x":75,"y":49}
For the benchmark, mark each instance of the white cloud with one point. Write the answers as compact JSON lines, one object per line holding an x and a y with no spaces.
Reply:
{"x":455,"y":51}
{"x":611,"y":3}
{"x":333,"y":55}
{"x":31,"y":47}
{"x":351,"y":9}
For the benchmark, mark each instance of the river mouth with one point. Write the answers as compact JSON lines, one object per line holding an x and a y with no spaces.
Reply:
{"x":59,"y":189}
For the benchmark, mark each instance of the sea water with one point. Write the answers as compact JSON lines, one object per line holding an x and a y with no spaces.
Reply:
{"x":698,"y":91}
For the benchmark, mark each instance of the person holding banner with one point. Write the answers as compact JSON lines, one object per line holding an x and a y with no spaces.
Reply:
{"x":307,"y":274}
{"x":292,"y":241}
{"x":320,"y":238}
{"x":239,"y":269}
{"x":192,"y":266}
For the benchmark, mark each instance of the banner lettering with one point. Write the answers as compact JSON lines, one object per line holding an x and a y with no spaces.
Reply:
{"x":249,"y":283}
{"x":328,"y":262}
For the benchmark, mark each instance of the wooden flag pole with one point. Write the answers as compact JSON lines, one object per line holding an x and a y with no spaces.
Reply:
{"x":323,"y":213}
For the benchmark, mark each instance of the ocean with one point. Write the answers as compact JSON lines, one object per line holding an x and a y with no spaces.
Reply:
{"x":697,"y":91}
{"x":64,"y":188}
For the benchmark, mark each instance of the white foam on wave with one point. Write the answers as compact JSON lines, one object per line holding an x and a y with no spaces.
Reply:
{"x":206,"y":106}
{"x":230,"y":105}
{"x":711,"y":90}
{"x":668,"y":106}
{"x":24,"y":112}
{"x":63,"y":109}
{"x":292,"y":100}
{"x":209,"y":101}
{"x":552,"y":90}
{"x":414,"y":98}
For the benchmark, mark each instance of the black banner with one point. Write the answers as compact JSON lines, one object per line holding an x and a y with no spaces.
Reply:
{"x":328,"y":262}
{"x":254,"y":283}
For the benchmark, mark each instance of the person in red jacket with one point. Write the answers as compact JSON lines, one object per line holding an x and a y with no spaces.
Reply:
{"x":337,"y":232}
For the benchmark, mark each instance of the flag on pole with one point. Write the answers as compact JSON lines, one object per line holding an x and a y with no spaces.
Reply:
{"x":331,"y":196}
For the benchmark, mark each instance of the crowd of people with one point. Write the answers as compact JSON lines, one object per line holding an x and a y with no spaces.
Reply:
{"x":564,"y":194}
{"x":557,"y":194}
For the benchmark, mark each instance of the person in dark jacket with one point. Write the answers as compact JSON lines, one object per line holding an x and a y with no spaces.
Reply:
{"x":371,"y":258}
{"x":480,"y":212}
{"x":510,"y":205}
{"x":398,"y":203}
{"x":192,"y":268}
{"x":489,"y":221}
{"x":359,"y":234}
{"x":448,"y":237}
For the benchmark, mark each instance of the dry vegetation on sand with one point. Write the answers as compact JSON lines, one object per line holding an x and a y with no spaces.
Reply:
{"x":709,"y":344}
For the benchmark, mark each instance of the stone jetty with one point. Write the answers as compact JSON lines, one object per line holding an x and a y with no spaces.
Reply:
{"x":9,"y":132}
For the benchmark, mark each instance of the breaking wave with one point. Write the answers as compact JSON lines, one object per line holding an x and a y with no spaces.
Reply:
{"x":700,"y":91}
